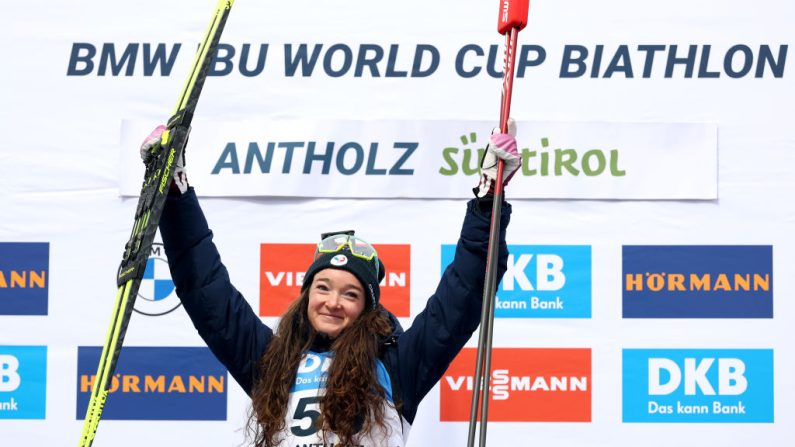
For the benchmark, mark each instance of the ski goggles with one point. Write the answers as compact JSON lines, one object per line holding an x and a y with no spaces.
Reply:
{"x":355,"y":245}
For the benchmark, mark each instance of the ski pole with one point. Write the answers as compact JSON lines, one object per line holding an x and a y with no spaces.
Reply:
{"x":159,"y":170}
{"x":512,"y":19}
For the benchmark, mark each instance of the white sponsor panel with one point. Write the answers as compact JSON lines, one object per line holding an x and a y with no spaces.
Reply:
{"x":439,"y":159}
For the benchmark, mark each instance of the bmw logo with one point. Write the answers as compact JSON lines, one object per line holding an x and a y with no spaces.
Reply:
{"x":156,"y":294}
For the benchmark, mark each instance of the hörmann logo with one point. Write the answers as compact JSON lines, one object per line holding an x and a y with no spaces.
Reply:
{"x":282,"y":269}
{"x":720,"y":281}
{"x":542,"y":281}
{"x":153,"y":383}
{"x":698,"y":385}
{"x":24,"y":269}
{"x":527,"y":385}
{"x":23,"y":382}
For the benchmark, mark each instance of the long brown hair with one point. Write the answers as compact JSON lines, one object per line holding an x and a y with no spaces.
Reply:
{"x":354,"y":399}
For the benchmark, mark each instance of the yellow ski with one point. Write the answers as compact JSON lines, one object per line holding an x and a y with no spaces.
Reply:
{"x":159,"y":169}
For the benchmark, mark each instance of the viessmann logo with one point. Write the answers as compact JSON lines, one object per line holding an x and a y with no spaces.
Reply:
{"x":154,"y":383}
{"x":527,"y":385}
{"x":721,"y":281}
{"x":542,"y":281}
{"x":24,"y":272}
{"x":698,"y":385}
{"x":283,"y":266}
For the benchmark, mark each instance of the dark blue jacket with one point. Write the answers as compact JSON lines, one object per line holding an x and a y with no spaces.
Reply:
{"x":238,"y":338}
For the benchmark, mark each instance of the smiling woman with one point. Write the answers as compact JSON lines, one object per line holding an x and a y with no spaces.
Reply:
{"x":339,"y":370}
{"x":336,"y":298}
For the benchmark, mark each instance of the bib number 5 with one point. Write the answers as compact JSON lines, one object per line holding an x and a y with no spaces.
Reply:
{"x":307,"y":408}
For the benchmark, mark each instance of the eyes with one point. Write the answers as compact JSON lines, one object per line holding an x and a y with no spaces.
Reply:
{"x":350,"y":293}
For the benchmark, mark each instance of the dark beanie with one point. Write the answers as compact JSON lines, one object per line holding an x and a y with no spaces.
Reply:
{"x":362,"y":269}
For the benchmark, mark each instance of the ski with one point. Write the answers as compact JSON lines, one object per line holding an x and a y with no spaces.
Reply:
{"x":160,"y":166}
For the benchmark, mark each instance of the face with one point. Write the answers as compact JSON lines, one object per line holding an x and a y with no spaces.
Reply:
{"x":336,"y":299}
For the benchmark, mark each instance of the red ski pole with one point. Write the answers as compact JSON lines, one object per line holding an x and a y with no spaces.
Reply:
{"x":512,"y":19}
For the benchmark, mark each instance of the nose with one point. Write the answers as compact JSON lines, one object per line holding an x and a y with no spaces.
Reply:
{"x":333,"y":301}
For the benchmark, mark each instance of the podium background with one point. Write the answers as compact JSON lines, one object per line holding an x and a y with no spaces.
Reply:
{"x":61,"y":152}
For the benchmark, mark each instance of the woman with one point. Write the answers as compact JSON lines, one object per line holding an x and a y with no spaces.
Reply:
{"x":339,"y":370}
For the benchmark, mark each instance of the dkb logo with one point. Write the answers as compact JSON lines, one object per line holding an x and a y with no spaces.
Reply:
{"x":23,"y":382}
{"x":698,"y":385}
{"x":542,"y":281}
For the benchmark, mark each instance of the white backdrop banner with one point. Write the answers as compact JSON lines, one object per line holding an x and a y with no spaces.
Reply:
{"x":657,"y":144}
{"x":438,"y":159}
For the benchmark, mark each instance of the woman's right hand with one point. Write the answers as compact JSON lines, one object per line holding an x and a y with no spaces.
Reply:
{"x":152,"y":142}
{"x":151,"y":145}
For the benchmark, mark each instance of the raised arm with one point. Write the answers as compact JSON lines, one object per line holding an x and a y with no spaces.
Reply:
{"x":452,"y":313}
{"x":226,"y":322}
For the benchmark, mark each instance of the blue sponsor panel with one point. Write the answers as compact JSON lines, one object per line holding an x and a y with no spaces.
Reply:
{"x":691,"y":281}
{"x":157,"y":383}
{"x":697,"y":385}
{"x":24,"y":271}
{"x":23,"y":382}
{"x":542,"y":281}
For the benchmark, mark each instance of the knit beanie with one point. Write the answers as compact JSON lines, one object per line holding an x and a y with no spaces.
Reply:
{"x":367,"y":272}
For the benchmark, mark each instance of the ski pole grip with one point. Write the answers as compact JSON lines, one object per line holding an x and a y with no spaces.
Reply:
{"x":513,"y":14}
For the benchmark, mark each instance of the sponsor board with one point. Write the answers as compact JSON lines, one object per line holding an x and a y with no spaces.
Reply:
{"x":697,"y":385}
{"x":282,"y":269}
{"x":697,"y":281}
{"x":441,"y":159}
{"x":157,"y":383}
{"x":542,"y":281}
{"x":24,"y":278}
{"x":527,"y":385}
{"x":23,"y":382}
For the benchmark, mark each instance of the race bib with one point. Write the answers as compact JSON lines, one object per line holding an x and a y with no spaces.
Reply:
{"x":303,"y":410}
